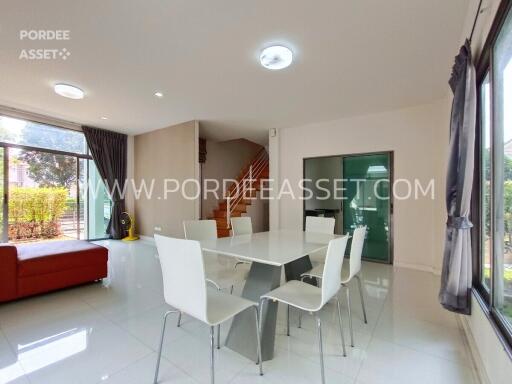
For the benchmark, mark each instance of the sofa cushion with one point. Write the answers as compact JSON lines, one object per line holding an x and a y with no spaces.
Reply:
{"x":52,"y":256}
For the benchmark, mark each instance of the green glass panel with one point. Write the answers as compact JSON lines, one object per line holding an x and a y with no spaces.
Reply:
{"x":366,"y":202}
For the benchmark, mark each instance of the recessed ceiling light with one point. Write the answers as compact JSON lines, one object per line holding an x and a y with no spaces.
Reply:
{"x":159,"y":94}
{"x":69,"y":91}
{"x":104,"y":118}
{"x":276,"y":57}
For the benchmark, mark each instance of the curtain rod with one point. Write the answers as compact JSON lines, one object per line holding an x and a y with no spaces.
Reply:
{"x":478,"y":11}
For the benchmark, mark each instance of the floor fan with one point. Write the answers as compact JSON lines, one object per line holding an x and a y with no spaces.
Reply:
{"x":128,"y":224}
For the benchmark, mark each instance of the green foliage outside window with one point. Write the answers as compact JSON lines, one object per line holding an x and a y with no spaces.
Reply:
{"x":35,"y":212}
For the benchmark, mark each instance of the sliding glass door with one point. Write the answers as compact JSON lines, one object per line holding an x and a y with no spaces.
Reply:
{"x":367,"y":202}
{"x":50,"y":188}
{"x":98,"y":203}
{"x":42,"y":196}
{"x":355,"y":191}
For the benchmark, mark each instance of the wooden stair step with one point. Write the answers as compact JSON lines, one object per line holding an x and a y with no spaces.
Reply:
{"x":242,"y":204}
{"x":221,"y":232}
{"x":220,"y":214}
{"x":222,"y":222}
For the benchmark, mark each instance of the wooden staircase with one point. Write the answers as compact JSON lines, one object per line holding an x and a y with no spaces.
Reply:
{"x":241,"y":193}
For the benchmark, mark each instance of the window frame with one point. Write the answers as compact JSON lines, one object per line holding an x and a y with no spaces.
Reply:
{"x":485,"y":66}
{"x":78,"y":156}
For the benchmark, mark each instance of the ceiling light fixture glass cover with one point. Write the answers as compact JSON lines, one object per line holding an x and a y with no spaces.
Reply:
{"x":276,"y":57}
{"x":69,"y":91}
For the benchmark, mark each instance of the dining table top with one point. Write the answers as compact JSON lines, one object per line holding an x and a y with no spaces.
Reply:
{"x":275,"y":248}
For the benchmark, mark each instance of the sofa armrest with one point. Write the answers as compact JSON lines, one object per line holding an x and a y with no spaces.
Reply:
{"x":8,"y":272}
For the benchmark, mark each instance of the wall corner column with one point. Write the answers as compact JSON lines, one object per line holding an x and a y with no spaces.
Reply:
{"x":274,"y":176}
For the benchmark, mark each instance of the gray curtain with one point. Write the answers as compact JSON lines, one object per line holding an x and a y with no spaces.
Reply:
{"x":108,"y":149}
{"x":456,"y":278}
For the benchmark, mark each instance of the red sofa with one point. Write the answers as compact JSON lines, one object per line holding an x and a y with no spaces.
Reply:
{"x":29,"y":269}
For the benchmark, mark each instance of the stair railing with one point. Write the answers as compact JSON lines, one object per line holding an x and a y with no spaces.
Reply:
{"x":235,"y":195}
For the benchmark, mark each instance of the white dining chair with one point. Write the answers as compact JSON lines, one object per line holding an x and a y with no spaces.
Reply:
{"x":314,"y":224}
{"x":220,"y":273}
{"x":309,"y":298}
{"x":356,"y":251}
{"x":241,"y":226}
{"x":185,"y":289}
{"x":221,"y":276}
{"x":320,"y":224}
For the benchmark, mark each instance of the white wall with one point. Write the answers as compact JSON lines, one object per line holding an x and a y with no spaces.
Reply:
{"x":418,"y":137}
{"x":493,"y":363}
{"x":130,"y":173}
{"x":258,"y":212}
{"x":168,"y":153}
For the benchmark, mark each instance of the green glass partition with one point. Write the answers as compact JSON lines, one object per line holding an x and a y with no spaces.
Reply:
{"x":367,"y":202}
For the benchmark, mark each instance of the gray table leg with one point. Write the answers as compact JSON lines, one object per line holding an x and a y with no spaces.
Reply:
{"x":242,"y":335}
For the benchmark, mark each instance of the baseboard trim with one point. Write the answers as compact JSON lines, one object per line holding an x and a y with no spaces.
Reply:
{"x":476,"y":358}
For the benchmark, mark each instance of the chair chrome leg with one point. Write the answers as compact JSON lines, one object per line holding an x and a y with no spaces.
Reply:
{"x":321,"y":347}
{"x":349,"y":317}
{"x":300,"y":312}
{"x":362,"y":297}
{"x":218,"y":336}
{"x":231,"y":290}
{"x":155,"y":380}
{"x":178,"y":324}
{"x":341,"y":326}
{"x":258,"y":336}
{"x":288,"y":320}
{"x":262,"y":302}
{"x":212,"y":356}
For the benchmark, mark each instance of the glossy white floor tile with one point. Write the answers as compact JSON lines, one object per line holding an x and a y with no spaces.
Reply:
{"x":108,"y":333}
{"x":143,"y":370}
{"x":81,"y":356}
{"x":10,"y":368}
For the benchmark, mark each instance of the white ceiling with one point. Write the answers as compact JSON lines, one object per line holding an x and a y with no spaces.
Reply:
{"x":351,"y":57}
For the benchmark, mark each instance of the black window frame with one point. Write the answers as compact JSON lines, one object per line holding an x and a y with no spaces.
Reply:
{"x":484,"y":66}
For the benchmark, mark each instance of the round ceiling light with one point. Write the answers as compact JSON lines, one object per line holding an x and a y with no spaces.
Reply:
{"x":276,"y":57}
{"x":69,"y":91}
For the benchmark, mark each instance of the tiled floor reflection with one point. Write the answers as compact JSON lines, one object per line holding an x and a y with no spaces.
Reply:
{"x":108,"y":333}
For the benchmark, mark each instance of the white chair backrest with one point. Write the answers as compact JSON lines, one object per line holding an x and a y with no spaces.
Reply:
{"x":331,"y":277}
{"x":241,"y":226}
{"x":200,"y":229}
{"x":183,"y":275}
{"x":320,"y":224}
{"x":356,"y":250}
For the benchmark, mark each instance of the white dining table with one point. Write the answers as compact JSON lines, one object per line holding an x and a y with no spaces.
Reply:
{"x":268,"y":252}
